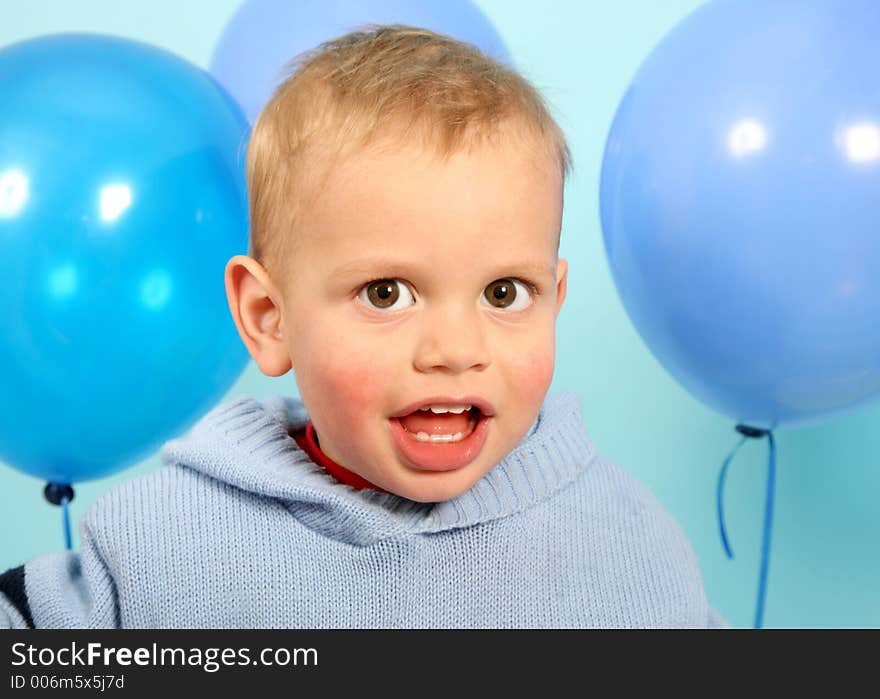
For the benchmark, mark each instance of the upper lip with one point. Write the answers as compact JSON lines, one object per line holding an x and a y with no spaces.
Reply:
{"x":485,"y":406}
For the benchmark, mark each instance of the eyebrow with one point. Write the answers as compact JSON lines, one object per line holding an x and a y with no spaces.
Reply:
{"x":371,"y":264}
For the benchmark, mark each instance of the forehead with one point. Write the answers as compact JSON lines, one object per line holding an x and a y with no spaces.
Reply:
{"x":489,"y":201}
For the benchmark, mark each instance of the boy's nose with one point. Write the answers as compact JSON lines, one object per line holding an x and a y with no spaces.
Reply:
{"x":453,"y":341}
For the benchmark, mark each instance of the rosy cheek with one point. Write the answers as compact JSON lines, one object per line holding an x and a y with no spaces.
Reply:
{"x":536,"y":380}
{"x":344,"y":396}
{"x":339,"y":372}
{"x":355,"y":386}
{"x":532,"y":374}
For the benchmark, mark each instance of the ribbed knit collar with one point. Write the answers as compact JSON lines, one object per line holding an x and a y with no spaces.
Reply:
{"x":248,"y":444}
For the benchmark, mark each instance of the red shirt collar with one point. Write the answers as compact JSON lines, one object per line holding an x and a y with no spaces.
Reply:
{"x":308,"y":442}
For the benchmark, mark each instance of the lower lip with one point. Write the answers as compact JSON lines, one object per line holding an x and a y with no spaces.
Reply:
{"x":440,"y":457}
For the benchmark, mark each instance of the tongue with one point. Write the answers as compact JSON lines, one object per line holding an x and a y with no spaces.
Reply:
{"x":432,"y":423}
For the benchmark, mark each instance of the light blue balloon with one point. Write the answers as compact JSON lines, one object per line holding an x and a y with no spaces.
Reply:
{"x":264,"y":35}
{"x":122,"y":196}
{"x":740,"y":205}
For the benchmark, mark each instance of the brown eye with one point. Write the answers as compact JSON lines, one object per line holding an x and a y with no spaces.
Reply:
{"x":383,"y":294}
{"x":503,"y":293}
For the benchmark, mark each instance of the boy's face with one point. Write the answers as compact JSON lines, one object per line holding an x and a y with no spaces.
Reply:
{"x":412,"y":280}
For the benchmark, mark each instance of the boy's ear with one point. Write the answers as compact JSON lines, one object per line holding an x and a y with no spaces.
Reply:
{"x":254,"y":304}
{"x":561,"y":282}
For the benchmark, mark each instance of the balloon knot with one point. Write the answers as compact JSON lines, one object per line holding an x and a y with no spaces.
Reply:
{"x":755,"y":432}
{"x":57,"y":492}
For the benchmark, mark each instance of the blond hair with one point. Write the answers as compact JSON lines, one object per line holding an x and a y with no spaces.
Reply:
{"x":346,"y":92}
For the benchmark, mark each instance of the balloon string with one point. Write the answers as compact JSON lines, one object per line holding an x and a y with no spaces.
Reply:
{"x":65,"y":519}
{"x":61,"y":494}
{"x":768,"y":520}
{"x":720,"y":499}
{"x":756,"y":433}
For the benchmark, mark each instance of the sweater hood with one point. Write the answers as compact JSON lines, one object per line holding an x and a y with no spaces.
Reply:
{"x":247,"y":443}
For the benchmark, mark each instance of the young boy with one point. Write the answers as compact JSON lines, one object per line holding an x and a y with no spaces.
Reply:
{"x":406,"y":204}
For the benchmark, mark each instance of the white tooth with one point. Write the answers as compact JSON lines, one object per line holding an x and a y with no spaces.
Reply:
{"x":457,"y":437}
{"x":441,"y":438}
{"x":424,"y":409}
{"x":457,"y":409}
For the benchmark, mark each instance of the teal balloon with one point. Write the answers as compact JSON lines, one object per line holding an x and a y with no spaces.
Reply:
{"x":122,"y":196}
{"x":740,"y":201}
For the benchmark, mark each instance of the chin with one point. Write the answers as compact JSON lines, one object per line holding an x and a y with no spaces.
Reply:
{"x":439,"y":489}
{"x":433,"y":496}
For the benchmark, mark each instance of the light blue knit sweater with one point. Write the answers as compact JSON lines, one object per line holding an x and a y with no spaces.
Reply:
{"x":240,"y":529}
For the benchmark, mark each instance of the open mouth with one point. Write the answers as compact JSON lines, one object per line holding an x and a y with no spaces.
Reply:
{"x":440,"y":443}
{"x":437,"y":432}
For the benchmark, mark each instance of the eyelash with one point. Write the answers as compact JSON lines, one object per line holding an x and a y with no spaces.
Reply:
{"x":530,"y":285}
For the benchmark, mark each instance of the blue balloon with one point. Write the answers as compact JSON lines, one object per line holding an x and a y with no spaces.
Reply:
{"x":264,"y":35}
{"x":740,"y":200}
{"x":122,"y":196}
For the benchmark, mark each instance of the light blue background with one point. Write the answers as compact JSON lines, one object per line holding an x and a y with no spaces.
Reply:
{"x":581,"y":54}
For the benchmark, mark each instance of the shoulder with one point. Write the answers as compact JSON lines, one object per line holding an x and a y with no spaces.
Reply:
{"x":622,"y":502}
{"x":143,"y":509}
{"x":641,"y":546}
{"x":166,"y":532}
{"x":163,"y":485}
